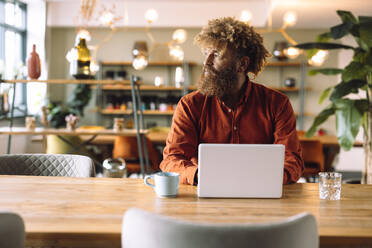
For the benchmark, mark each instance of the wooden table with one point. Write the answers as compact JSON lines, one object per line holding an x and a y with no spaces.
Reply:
{"x":87,"y":212}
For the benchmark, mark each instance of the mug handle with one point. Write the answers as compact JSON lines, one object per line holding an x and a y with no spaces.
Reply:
{"x":147,"y":183}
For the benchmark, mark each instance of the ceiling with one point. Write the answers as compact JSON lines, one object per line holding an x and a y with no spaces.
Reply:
{"x":196,"y":13}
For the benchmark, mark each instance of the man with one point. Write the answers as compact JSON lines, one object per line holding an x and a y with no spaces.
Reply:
{"x":228,"y":107}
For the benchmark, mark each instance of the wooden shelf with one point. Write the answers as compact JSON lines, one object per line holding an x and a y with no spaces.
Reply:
{"x":284,"y":63}
{"x":129,"y":112}
{"x":288,"y":89}
{"x":154,"y":112}
{"x":305,"y":114}
{"x":72,"y":81}
{"x":177,"y":63}
{"x":143,"y":87}
{"x":62,"y":131}
{"x":284,"y":89}
{"x":151,"y":63}
{"x":158,"y":112}
{"x":115,"y":112}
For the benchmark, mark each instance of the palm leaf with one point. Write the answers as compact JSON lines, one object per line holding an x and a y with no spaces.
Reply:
{"x":322,"y":45}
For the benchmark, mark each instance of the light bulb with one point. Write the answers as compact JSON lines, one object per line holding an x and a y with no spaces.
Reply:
{"x":179,"y":79}
{"x":94,"y":67}
{"x":319,"y":58}
{"x":151,"y":15}
{"x":135,"y":52}
{"x":179,"y":36}
{"x":72,"y":55}
{"x":290,"y":18}
{"x":84,"y":34}
{"x":292,"y":52}
{"x":139,"y":63}
{"x":176,"y":52}
{"x":158,"y":81}
{"x":246,"y":16}
{"x":107,"y":18}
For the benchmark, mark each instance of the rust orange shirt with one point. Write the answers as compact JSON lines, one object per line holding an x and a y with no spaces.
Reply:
{"x":263,"y":116}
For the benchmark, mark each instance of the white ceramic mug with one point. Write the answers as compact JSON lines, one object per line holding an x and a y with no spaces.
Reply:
{"x":166,"y":183}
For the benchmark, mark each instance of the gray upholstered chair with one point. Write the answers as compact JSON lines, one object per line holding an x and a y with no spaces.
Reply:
{"x":47,"y":165}
{"x":12,"y":231}
{"x":165,"y":232}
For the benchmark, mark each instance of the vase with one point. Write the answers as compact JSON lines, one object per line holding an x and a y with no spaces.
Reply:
{"x":118,"y":124}
{"x":33,"y":64}
{"x":30,"y":122}
{"x":70,"y":126}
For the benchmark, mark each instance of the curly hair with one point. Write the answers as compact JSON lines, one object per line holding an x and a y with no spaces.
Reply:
{"x":229,"y":32}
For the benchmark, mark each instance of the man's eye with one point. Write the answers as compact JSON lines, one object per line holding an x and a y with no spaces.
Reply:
{"x":207,"y":52}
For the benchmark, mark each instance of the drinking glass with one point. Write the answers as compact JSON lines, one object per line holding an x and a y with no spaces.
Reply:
{"x":330,"y":185}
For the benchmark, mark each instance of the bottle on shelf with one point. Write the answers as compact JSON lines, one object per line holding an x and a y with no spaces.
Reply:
{"x":33,"y":64}
{"x":80,"y":67}
{"x":152,"y":103}
{"x":109,"y":75}
{"x":121,"y":75}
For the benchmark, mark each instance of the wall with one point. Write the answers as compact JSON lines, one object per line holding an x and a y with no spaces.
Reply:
{"x":119,"y":48}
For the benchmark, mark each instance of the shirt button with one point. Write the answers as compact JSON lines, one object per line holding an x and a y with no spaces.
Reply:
{"x":235,"y":128}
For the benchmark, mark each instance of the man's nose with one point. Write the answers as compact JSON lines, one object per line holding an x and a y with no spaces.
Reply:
{"x":209,"y":59}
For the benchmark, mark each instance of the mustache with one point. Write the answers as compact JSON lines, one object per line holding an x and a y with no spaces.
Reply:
{"x":210,"y":69}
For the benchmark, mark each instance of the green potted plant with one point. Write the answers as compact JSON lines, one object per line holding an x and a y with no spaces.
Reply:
{"x":351,"y":114}
{"x":57,"y":114}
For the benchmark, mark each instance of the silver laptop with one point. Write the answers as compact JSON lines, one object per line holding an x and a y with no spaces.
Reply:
{"x":240,"y":170}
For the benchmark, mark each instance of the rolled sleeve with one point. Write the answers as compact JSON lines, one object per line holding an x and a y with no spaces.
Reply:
{"x":286,"y":134}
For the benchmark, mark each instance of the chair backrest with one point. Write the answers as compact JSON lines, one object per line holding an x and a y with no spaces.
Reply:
{"x":12,"y":231}
{"x":312,"y":152}
{"x":126,"y":147}
{"x":47,"y":165}
{"x":165,"y":232}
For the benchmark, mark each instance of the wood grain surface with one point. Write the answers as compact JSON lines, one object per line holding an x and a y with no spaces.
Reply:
{"x":87,"y":212}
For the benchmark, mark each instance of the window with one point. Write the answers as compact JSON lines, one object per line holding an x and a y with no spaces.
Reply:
{"x":13,"y":35}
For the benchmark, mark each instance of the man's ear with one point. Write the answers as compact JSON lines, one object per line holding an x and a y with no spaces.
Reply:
{"x":243,"y":64}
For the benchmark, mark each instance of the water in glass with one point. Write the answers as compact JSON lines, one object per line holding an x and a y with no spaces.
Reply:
{"x":329,"y":185}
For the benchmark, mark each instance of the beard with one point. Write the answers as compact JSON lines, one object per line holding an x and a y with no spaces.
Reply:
{"x":220,"y":83}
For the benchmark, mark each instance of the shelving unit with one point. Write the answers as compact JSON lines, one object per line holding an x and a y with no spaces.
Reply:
{"x":111,"y":99}
{"x":129,"y":112}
